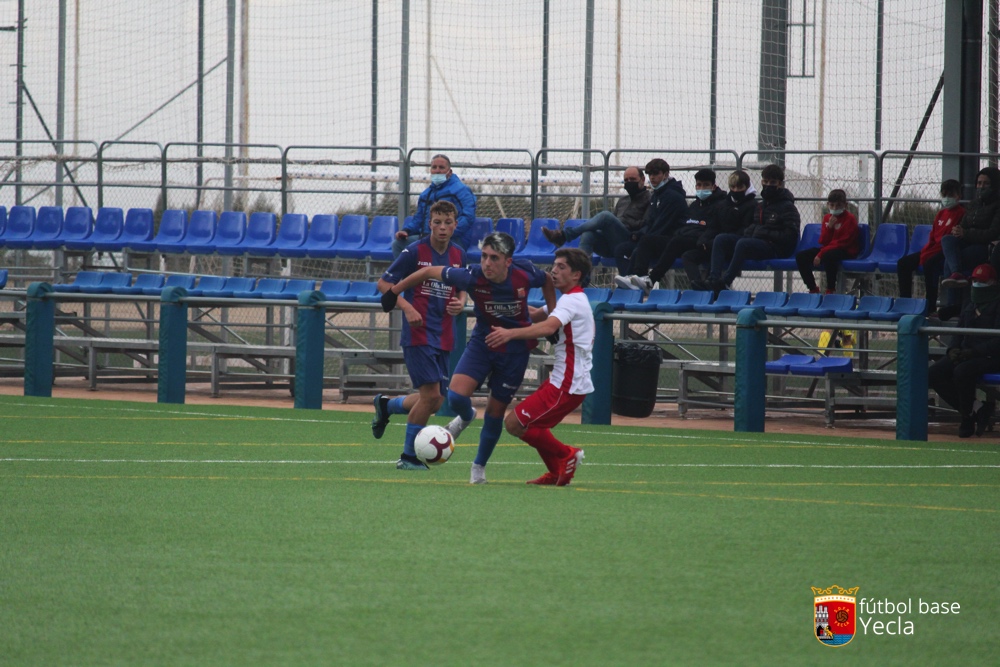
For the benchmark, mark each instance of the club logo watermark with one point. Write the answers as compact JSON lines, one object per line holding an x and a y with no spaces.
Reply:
{"x":838,"y":615}
{"x":835,"y":614}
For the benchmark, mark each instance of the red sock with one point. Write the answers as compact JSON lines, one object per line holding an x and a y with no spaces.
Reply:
{"x":549,"y":448}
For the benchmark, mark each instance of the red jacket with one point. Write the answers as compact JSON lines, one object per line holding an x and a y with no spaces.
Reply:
{"x":841,"y":232}
{"x":944,"y":221}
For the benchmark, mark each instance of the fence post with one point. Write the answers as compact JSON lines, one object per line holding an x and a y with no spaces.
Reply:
{"x":40,"y":329}
{"x":751,"y":385}
{"x":309,"y":357}
{"x":597,"y":405}
{"x":172,"y":366}
{"x":911,"y":379}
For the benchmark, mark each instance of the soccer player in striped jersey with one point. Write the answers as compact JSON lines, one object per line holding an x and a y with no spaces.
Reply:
{"x":572,"y":321}
{"x":499,"y":289}
{"x":428,"y":329}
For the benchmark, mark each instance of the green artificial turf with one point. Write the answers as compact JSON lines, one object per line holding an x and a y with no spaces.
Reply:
{"x":154,"y":534}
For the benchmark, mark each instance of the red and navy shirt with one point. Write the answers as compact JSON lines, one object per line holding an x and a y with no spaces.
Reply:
{"x":503,"y":304}
{"x":430,"y":297}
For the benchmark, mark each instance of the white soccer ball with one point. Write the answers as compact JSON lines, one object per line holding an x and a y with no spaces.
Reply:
{"x":434,"y":445}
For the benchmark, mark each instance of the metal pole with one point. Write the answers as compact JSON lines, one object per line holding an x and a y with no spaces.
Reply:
{"x":545,"y":82}
{"x":588,"y":107}
{"x":244,"y":94}
{"x":60,"y":102}
{"x":773,"y":81}
{"x":713,"y":112}
{"x":879,"y":31}
{"x":227,"y":195}
{"x":618,"y":78}
{"x":820,"y":129}
{"x":428,"y":87}
{"x":19,"y":131}
{"x":993,"y":112}
{"x":374,"y":119}
{"x":404,"y":105}
{"x":200,"y":122}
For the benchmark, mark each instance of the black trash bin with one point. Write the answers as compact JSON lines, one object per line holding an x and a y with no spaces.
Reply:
{"x":634,"y":379}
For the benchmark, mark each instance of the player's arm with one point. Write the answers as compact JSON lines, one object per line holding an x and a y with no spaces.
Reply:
{"x":409,"y":312}
{"x":500,"y":336}
{"x":456,"y":303}
{"x":391,"y":295}
{"x":537,"y":314}
{"x":549,"y":292}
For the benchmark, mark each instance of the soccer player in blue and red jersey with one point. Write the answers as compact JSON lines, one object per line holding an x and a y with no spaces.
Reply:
{"x":499,"y":290}
{"x":428,"y":330}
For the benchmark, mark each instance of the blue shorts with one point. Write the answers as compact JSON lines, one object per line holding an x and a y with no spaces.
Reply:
{"x":426,"y":365}
{"x":505,"y":369}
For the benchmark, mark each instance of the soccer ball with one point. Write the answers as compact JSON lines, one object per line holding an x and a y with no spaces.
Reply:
{"x":434,"y":445}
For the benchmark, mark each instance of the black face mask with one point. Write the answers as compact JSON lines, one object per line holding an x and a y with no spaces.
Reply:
{"x":769,"y":192}
{"x":737,"y":197}
{"x":631,"y":187}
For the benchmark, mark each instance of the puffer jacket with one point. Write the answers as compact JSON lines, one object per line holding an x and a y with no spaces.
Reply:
{"x":731,"y":218}
{"x":667,"y":210}
{"x":702,"y":210}
{"x":981,"y":223}
{"x":777,"y":222}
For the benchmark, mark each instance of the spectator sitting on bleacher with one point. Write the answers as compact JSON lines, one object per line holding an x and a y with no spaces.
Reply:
{"x":445,"y":186}
{"x":774,"y":232}
{"x":968,"y":245}
{"x":701,"y":212}
{"x":838,"y":240}
{"x":734,"y":215}
{"x":954,"y":376}
{"x":930,"y":256}
{"x":606,"y":231}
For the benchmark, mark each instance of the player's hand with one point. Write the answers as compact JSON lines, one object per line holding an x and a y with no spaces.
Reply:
{"x":413,"y":317}
{"x":454,"y":307}
{"x":499,"y":336}
{"x":957,"y":231}
{"x":401,"y":235}
{"x":389,"y":299}
{"x":816,"y":260}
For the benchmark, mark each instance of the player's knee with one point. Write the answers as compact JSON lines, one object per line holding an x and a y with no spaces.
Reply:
{"x":512,"y":425}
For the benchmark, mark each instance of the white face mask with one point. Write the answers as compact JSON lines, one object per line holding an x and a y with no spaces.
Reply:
{"x":836,"y":211}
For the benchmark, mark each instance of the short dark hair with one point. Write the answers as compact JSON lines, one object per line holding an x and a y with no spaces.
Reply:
{"x":837,"y":196}
{"x":578,"y":260}
{"x":443,"y":157}
{"x":502,"y":242}
{"x":739,"y":177}
{"x":773,"y":172}
{"x":705,"y":175}
{"x":658,"y":165}
{"x":951,"y":187}
{"x":444,"y":208}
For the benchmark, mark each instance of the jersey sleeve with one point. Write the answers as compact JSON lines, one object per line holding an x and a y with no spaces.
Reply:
{"x":459,"y":278}
{"x":401,"y":267}
{"x":566,"y":309}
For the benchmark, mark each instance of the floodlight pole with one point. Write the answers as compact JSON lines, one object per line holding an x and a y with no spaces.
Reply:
{"x":404,"y":102}
{"x":772,"y":94}
{"x":588,"y":107}
{"x":227,"y":195}
{"x":60,"y":102}
{"x":19,"y":131}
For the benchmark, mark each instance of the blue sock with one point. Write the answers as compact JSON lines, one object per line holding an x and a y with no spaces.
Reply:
{"x":411,"y":436}
{"x":492,"y":428}
{"x":396,"y":406}
{"x":462,"y":405}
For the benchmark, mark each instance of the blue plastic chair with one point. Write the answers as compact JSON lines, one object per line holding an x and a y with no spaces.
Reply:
{"x":228,"y":238}
{"x":232,"y":286}
{"x":264,"y":286}
{"x":598,"y":294}
{"x":138,"y":229}
{"x":108,"y":228}
{"x":822,"y":366}
{"x":48,"y":228}
{"x":866,"y":306}
{"x":728,"y":299}
{"x":173,"y":227}
{"x":535,"y":298}
{"x":292,"y":289}
{"x":81,"y":279}
{"x":764,"y":300}
{"x":480,"y":229}
{"x":538,"y":249}
{"x":262,"y":230}
{"x":918,"y":239}
{"x":653,"y":301}
{"x":621,"y":299}
{"x":889,"y":245}
{"x":808,"y":239}
{"x":207,"y":284}
{"x":795,"y":301}
{"x":291,"y":235}
{"x":107,"y":283}
{"x":3,"y":222}
{"x":150,"y":281}
{"x":334,"y":289}
{"x":200,"y":234}
{"x":351,"y":237}
{"x":362,"y":291}
{"x":20,"y":227}
{"x":185,"y":281}
{"x":319,"y":241}
{"x":3,"y":278}
{"x":686,"y":302}
{"x":779,"y":366}
{"x":380,"y":237}
{"x":902,"y":306}
{"x":830,"y":304}
{"x":514,"y":227}
{"x":77,"y":226}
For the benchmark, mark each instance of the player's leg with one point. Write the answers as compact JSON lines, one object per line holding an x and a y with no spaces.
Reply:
{"x":428,"y":369}
{"x":532,"y":421}
{"x":385,"y":407}
{"x":506,"y":373}
{"x":470,"y":371}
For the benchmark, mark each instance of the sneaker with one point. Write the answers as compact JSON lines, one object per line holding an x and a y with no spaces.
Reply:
{"x":699,"y":285}
{"x":830,"y":291}
{"x":569,"y":466}
{"x":626,"y":282}
{"x":984,"y":417}
{"x":814,"y":290}
{"x":410,"y":463}
{"x":555,"y":236}
{"x":954,"y":281}
{"x":381,"y":418}
{"x":457,"y":425}
{"x":478,"y":474}
{"x":548,"y":479}
{"x":967,"y":427}
{"x":645,"y":283}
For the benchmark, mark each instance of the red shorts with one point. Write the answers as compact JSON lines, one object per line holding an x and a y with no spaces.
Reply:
{"x":547,"y":406}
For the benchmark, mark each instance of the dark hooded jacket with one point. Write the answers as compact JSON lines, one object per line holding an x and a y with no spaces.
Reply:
{"x":702,"y":209}
{"x":730,"y":218}
{"x":777,"y":222}
{"x":985,"y":316}
{"x":981,"y":223}
{"x":667,"y":210}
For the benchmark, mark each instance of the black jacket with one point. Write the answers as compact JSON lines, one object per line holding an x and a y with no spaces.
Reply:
{"x":631,"y":210}
{"x":777,"y":222}
{"x":987,"y":317}
{"x":667,"y":210}
{"x":731,"y":218}
{"x":981,"y":223}
{"x":702,"y":210}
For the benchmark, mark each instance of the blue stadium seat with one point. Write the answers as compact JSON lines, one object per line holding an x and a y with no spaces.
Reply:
{"x":207,"y":284}
{"x":597,"y":294}
{"x":3,"y":222}
{"x":3,"y":278}
{"x":200,"y":233}
{"x":107,"y":283}
{"x":108,"y":228}
{"x":514,"y":227}
{"x":80,"y":280}
{"x":173,"y":227}
{"x":809,"y":239}
{"x":262,"y":229}
{"x":889,"y":245}
{"x":291,"y":289}
{"x":795,"y":301}
{"x":727,"y":300}
{"x":653,"y":301}
{"x":20,"y":227}
{"x":866,"y":306}
{"x":291,"y":235}
{"x":380,"y":237}
{"x":781,"y":365}
{"x":264,"y":286}
{"x":144,"y":281}
{"x":535,"y":298}
{"x":177,"y":280}
{"x":362,"y":291}
{"x":902,"y":306}
{"x":570,"y":224}
{"x":228,"y":238}
{"x":138,"y":229}
{"x":764,"y":300}
{"x":333,"y":290}
{"x":918,"y":239}
{"x":822,"y":366}
{"x":351,"y":237}
{"x":623,"y":299}
{"x":48,"y":228}
{"x":829,"y":305}
{"x":77,"y":226}
{"x":231,"y":287}
{"x":538,"y":249}
{"x":686,"y":302}
{"x":480,"y":229}
{"x":319,"y":242}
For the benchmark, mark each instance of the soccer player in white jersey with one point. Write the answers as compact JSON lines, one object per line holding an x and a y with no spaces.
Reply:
{"x":572,"y":323}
